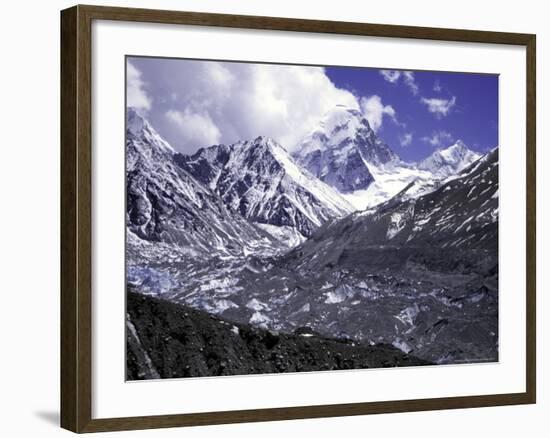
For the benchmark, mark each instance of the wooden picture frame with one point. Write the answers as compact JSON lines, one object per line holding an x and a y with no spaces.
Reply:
{"x":76,"y":217}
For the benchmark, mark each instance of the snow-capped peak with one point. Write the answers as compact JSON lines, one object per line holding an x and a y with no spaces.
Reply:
{"x":456,"y":151}
{"x":267,"y":144}
{"x":450,"y":160}
{"x":343,"y":117}
{"x":139,"y":128}
{"x":261,"y":181}
{"x":135,"y":122}
{"x":340,"y":123}
{"x":341,"y":150}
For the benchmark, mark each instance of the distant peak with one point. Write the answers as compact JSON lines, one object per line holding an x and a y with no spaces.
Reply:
{"x":458,"y":145}
{"x":461,"y":144}
{"x":135,"y":121}
{"x":341,"y":115}
{"x":139,"y":127}
{"x":461,"y":149}
{"x":263,"y":139}
{"x":449,"y":160}
{"x":133,"y":113}
{"x":269,"y":142}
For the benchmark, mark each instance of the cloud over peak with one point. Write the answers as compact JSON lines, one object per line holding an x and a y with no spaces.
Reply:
{"x":198,"y":103}
{"x":375,"y":111}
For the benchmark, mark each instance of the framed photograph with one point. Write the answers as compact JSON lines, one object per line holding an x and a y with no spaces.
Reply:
{"x":268,"y":218}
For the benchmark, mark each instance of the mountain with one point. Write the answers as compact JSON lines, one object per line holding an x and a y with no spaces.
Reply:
{"x":417,"y":178}
{"x":420,"y":273}
{"x":167,"y":205}
{"x":391,"y":179}
{"x":426,"y":269}
{"x":461,"y":213}
{"x":259,"y":180}
{"x":449,"y":161}
{"x":346,"y":153}
{"x":223,"y":231}
{"x":341,"y":148}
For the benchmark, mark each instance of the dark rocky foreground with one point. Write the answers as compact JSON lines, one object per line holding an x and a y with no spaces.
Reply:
{"x":167,"y":340}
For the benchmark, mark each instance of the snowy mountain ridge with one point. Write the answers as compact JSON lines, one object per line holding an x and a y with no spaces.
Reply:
{"x":263,"y":183}
{"x":449,"y":161}
{"x":344,"y":152}
{"x":166,"y":204}
{"x":340,"y":150}
{"x":140,"y":129}
{"x":419,"y":178}
{"x":244,"y":232}
{"x":260,"y":180}
{"x":342,"y":129}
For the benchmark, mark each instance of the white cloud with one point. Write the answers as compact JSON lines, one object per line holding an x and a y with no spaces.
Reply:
{"x":242,"y":101}
{"x":439,"y":138}
{"x":375,"y":111}
{"x":405,"y":139}
{"x":437,"y":86}
{"x":408,"y":77}
{"x":194,"y":128}
{"x":393,"y":76}
{"x":136,"y":96}
{"x":439,"y":107}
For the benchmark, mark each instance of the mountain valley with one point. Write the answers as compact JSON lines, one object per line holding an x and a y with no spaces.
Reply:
{"x":340,"y":238}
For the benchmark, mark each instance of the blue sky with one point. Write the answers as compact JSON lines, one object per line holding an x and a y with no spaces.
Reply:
{"x":473,"y":118}
{"x":195,"y":103}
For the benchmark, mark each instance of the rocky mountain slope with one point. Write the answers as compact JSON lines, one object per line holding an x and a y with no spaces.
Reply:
{"x":461,"y":213}
{"x":166,"y":204}
{"x":449,"y":161}
{"x":346,"y":153}
{"x":260,"y":181}
{"x":339,"y":150}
